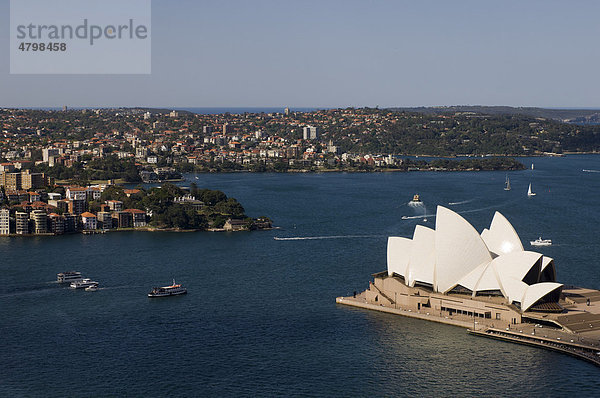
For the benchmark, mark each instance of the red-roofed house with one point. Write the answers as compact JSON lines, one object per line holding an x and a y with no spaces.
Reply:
{"x":139,"y":217}
{"x":89,"y":221}
{"x":130,"y":192}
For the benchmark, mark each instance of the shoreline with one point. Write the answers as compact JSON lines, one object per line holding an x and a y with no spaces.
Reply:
{"x":557,"y":340}
{"x":140,"y":229}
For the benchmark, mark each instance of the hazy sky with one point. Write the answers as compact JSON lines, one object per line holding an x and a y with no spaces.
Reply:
{"x":331,"y":53}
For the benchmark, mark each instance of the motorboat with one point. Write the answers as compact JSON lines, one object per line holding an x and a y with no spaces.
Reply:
{"x":416,"y":198}
{"x":68,"y":276}
{"x":541,"y":242}
{"x":91,"y":288}
{"x":173,"y":290}
{"x":84,"y":283}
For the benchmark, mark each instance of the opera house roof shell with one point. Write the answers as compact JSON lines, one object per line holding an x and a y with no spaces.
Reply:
{"x":456,"y":258}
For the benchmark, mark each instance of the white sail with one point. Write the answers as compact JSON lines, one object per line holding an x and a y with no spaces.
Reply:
{"x":507,"y":184}
{"x":530,"y":192}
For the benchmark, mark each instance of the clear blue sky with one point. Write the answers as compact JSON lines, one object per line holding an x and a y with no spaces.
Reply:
{"x":332,"y":53}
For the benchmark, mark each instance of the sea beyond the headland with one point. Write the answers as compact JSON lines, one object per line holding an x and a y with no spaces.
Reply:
{"x":260,"y":317}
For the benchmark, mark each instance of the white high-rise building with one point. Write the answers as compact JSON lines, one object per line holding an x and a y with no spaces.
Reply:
{"x":47,"y":153}
{"x":4,"y":222}
{"x":310,"y":133}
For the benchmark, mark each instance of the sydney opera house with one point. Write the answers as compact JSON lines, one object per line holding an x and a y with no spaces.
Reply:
{"x":485,"y":282}
{"x":454,"y":270}
{"x":455,"y":258}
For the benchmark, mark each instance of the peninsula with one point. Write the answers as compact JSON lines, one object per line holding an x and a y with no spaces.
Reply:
{"x":102,"y":208}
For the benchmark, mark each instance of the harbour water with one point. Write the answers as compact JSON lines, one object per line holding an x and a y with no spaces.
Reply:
{"x":260,"y":317}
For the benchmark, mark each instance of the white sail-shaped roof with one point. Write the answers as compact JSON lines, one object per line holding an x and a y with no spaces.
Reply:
{"x":517,"y":264}
{"x":536,"y":292}
{"x":488,"y":281}
{"x":513,"y":289}
{"x":398,"y":253}
{"x":470,"y":280}
{"x":459,"y":249}
{"x":546,"y":261}
{"x":455,"y":254}
{"x":422,"y":257}
{"x":548,"y":272}
{"x":501,"y":238}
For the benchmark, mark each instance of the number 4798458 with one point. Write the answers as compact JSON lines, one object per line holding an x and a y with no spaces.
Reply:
{"x":43,"y":46}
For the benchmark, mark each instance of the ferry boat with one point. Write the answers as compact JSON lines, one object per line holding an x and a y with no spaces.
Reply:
{"x":416,"y":199}
{"x":84,"y":283}
{"x":173,"y":290}
{"x":541,"y":242}
{"x":68,"y":276}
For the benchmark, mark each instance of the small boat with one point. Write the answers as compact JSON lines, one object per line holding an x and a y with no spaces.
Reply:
{"x":82,"y":284}
{"x":173,"y":290}
{"x":507,"y":184}
{"x":541,"y":242}
{"x":530,"y":192}
{"x":68,"y":276}
{"x":91,"y":288}
{"x":416,"y":199}
{"x":531,"y":166}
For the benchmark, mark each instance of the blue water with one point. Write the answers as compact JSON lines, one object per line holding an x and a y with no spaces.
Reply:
{"x":260,"y":318}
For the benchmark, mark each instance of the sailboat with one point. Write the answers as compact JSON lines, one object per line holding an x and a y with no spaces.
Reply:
{"x":530,"y":192}
{"x":507,"y":184}
{"x":531,"y":166}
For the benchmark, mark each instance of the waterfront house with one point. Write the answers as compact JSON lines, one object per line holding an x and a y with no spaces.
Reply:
{"x":138,"y":217}
{"x":57,"y":223}
{"x":104,"y":220}
{"x":21,"y":223}
{"x":122,"y":219}
{"x":235,"y":225}
{"x":89,"y":221}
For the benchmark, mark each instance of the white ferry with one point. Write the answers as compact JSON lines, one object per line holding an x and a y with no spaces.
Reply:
{"x":173,"y":290}
{"x":68,"y":276}
{"x":82,"y":284}
{"x":541,"y":242}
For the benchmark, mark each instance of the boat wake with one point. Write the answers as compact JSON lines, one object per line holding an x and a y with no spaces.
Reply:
{"x":460,"y":203}
{"x":463,"y":211}
{"x":416,"y":217}
{"x":329,"y":237}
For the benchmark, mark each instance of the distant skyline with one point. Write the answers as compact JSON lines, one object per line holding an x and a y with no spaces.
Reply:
{"x":339,"y":53}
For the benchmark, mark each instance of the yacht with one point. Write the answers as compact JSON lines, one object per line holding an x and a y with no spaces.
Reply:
{"x":530,"y":193}
{"x":68,"y":276}
{"x":173,"y":290}
{"x":416,"y":199}
{"x":541,"y":242}
{"x":507,"y":184}
{"x":81,"y":284}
